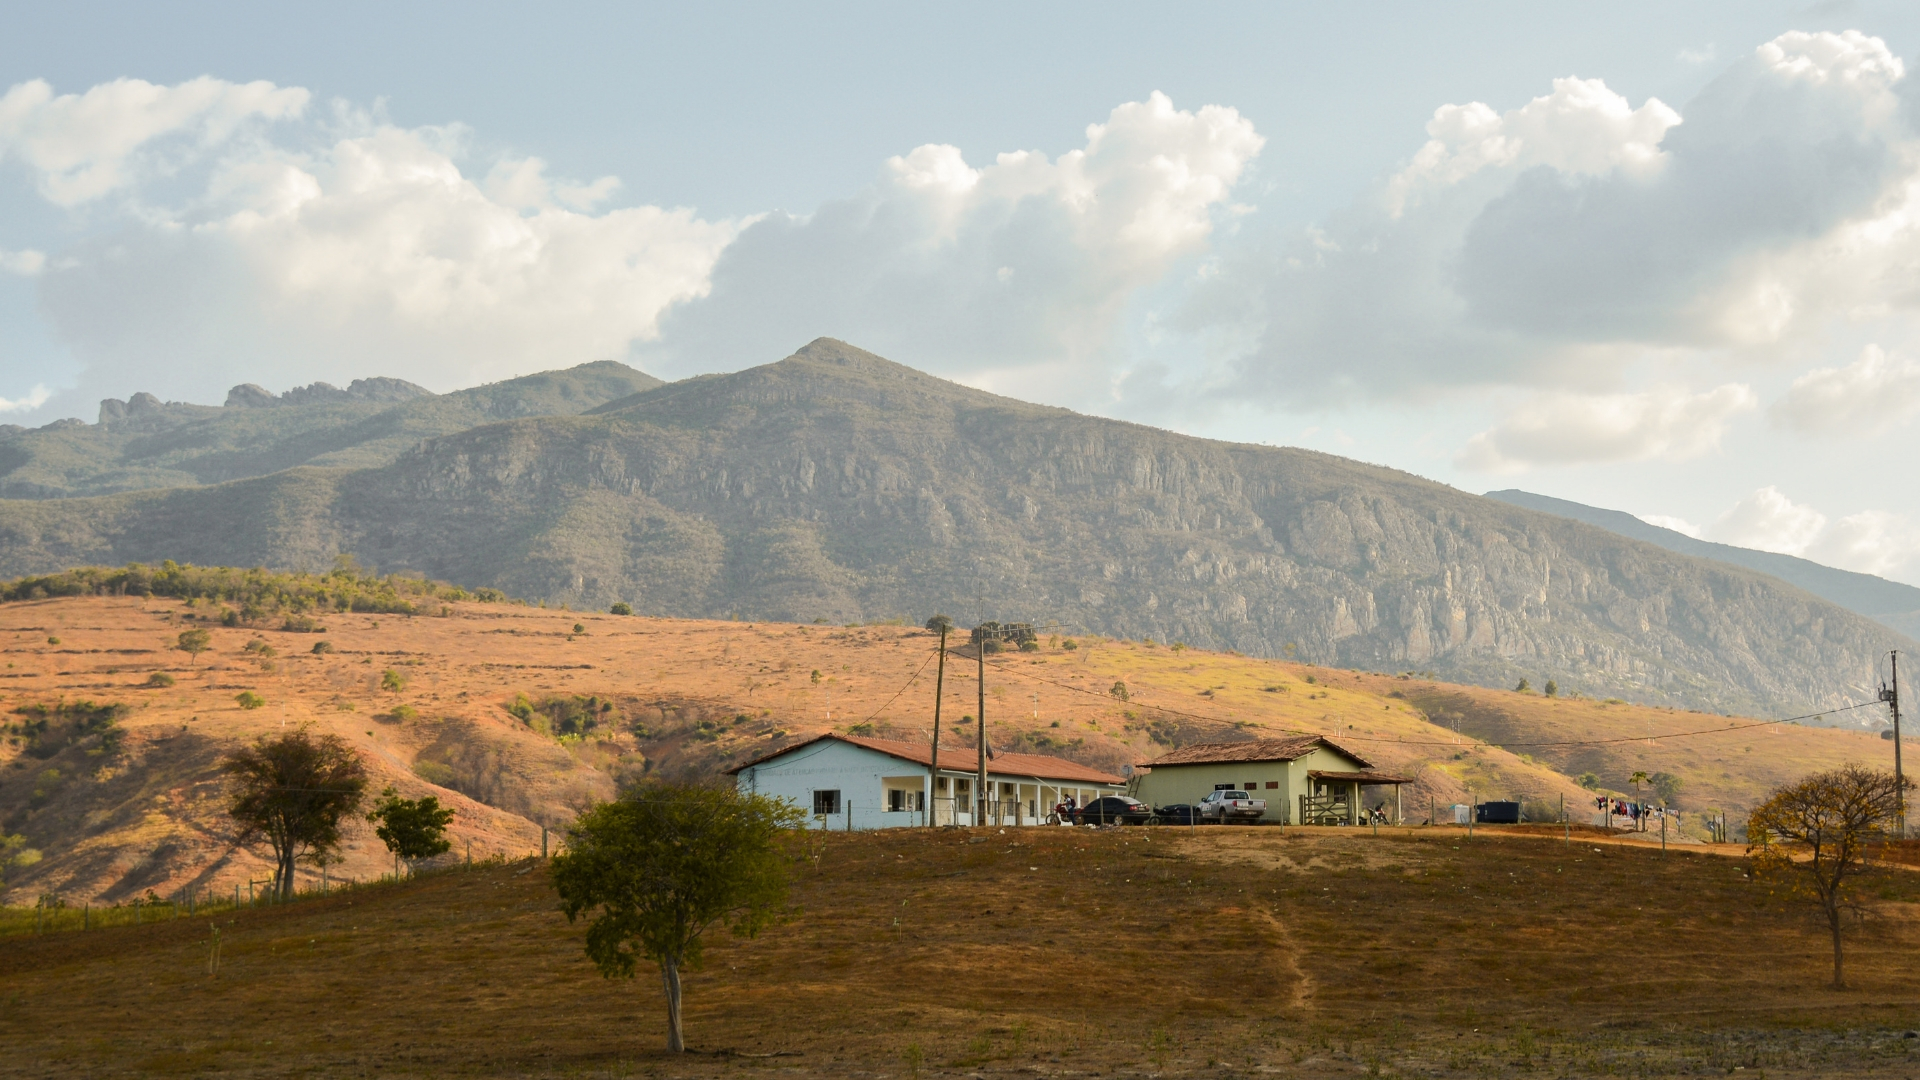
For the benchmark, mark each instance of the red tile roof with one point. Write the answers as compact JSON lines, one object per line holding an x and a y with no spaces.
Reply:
{"x":1252,"y":750}
{"x":959,"y":759}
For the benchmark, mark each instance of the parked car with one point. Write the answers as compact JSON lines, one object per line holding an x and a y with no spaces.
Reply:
{"x":1225,"y":806}
{"x":1114,"y":809}
{"x":1177,"y":814}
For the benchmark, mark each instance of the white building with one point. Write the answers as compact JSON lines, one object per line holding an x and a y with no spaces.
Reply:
{"x":849,"y":782}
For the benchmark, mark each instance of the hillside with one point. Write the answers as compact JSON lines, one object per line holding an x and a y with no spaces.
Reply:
{"x":840,"y":486}
{"x":1895,"y":604}
{"x":1036,"y":951}
{"x":516,"y":721}
{"x":145,"y":444}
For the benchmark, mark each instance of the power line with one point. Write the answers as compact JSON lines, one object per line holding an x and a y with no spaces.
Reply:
{"x":1503,"y":745}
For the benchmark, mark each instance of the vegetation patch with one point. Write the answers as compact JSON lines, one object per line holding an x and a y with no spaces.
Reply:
{"x":253,"y":596}
{"x":45,"y":730}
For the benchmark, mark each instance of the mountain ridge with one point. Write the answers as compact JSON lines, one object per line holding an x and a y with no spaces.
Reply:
{"x":1892,"y":603}
{"x":835,"y":485}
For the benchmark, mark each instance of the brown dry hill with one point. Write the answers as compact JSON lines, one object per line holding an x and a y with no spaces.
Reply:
{"x":1022,"y":952}
{"x":489,"y":693}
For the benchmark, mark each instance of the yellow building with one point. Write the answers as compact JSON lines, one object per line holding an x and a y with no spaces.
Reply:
{"x":1306,"y":779}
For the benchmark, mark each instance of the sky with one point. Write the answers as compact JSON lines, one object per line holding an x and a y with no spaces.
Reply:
{"x":1657,"y":257}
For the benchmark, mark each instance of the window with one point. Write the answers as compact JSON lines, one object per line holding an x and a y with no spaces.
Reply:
{"x":1252,"y":785}
{"x":1271,"y":784}
{"x":899,"y":799}
{"x":826,"y":802}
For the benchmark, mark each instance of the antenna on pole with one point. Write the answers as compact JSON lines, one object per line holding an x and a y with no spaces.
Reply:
{"x":1890,"y":693}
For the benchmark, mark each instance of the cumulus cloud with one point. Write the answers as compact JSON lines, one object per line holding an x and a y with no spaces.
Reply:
{"x":1869,"y":542}
{"x":373,"y":253}
{"x":84,"y":146}
{"x":1679,"y":525}
{"x":1769,"y":521}
{"x":1026,"y":264}
{"x":1581,"y":237}
{"x":34,"y":398}
{"x":1572,"y":429}
{"x":1868,"y":396}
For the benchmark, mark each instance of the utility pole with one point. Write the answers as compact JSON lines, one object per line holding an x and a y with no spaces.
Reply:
{"x":1891,"y":695}
{"x":980,"y":796}
{"x":933,"y":770}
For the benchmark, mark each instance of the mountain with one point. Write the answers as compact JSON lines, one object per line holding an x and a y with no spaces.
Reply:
{"x":144,"y":443}
{"x":1889,"y":602}
{"x":837,"y":486}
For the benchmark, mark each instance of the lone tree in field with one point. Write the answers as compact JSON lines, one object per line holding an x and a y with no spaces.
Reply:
{"x":294,"y":790}
{"x":1814,"y":837}
{"x":194,"y":642}
{"x":413,"y":829}
{"x":665,"y":864}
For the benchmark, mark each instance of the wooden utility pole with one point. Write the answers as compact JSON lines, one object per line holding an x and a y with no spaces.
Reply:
{"x":980,"y":797}
{"x":1891,"y":695}
{"x":933,"y":770}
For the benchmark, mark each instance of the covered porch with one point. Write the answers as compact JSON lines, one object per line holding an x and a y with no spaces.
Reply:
{"x":1336,"y":798}
{"x":1009,"y":800}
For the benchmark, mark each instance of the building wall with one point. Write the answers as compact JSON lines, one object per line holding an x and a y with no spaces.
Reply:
{"x":1190,"y":783}
{"x":862,"y":777}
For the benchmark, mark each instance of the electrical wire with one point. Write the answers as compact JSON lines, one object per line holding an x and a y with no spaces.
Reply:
{"x":1503,"y":745}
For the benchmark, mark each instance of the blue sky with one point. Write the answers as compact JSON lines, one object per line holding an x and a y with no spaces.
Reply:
{"x":1649,"y":256}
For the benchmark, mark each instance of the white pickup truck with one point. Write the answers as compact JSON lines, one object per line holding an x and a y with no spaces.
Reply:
{"x":1224,"y":806}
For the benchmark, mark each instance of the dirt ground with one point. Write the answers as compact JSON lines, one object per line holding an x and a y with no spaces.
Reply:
{"x":1050,"y":952}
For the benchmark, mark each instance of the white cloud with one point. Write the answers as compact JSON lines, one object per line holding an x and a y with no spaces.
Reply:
{"x":1705,"y":54}
{"x":1868,"y":542}
{"x":83,"y":146}
{"x":374,"y":255}
{"x":34,"y":398}
{"x":26,"y":263}
{"x":1868,"y":396}
{"x":1679,"y":525}
{"x":1570,"y":429}
{"x":1580,"y":238}
{"x":1582,"y":128}
{"x":1769,"y":521}
{"x":1024,"y":266}
{"x":1871,"y":542}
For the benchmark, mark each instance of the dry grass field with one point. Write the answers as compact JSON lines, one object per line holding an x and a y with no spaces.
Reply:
{"x":1068,"y":952}
{"x":429,"y":702}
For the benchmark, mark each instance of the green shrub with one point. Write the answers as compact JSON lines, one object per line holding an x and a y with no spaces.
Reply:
{"x":621,"y":608}
{"x":49,"y":729}
{"x":401,"y":714}
{"x":302,"y":624}
{"x":320,"y":647}
{"x":251,"y":596}
{"x":437,"y":773}
{"x":53,"y":641}
{"x":393,"y":681}
{"x":159,"y":678}
{"x":247,"y":699}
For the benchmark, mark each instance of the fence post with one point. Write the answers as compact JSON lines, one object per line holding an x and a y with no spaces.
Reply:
{"x":849,"y":815}
{"x":543,"y":841}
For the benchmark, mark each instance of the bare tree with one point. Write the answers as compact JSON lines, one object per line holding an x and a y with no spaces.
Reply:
{"x":1815,"y":835}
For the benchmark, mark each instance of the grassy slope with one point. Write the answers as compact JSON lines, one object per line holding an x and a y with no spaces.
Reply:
{"x":150,"y":816}
{"x":1043,"y":950}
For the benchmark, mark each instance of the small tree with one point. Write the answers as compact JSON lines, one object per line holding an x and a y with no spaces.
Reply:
{"x":939,"y":623}
{"x":294,"y":790}
{"x":194,"y":642}
{"x":15,"y":855}
{"x":1523,"y":686}
{"x":1552,"y":689}
{"x":413,"y":829}
{"x":393,"y":681}
{"x":664,"y":865}
{"x":621,"y":608}
{"x":1814,"y":836}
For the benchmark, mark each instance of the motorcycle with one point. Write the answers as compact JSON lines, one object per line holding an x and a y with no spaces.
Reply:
{"x":1064,"y":813}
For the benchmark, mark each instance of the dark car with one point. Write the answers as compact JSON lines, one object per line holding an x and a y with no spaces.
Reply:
{"x":1114,"y":810}
{"x":1178,"y":814}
